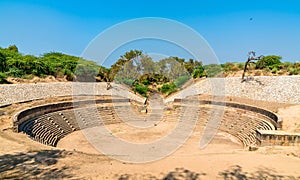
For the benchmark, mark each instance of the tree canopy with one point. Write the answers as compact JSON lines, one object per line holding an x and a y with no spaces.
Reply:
{"x":134,"y":69}
{"x":15,"y":64}
{"x":269,"y":62}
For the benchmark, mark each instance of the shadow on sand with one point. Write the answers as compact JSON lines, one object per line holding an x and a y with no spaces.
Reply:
{"x":236,"y":172}
{"x":30,"y":165}
{"x":179,"y":173}
{"x":232,"y":173}
{"x":43,"y":165}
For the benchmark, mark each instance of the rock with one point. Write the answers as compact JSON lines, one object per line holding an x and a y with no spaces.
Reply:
{"x":144,"y":110}
{"x":253,"y":148}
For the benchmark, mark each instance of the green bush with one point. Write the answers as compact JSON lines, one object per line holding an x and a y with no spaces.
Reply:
{"x":35,"y":72}
{"x":151,"y":78}
{"x":293,"y":71}
{"x":168,"y":88}
{"x":127,"y":81}
{"x":287,"y":65}
{"x":15,"y":72}
{"x":69,"y":75}
{"x":146,"y":82}
{"x":274,"y":70}
{"x":141,"y":89}
{"x":181,"y":80}
{"x":229,"y":66}
{"x":213,"y":70}
{"x":199,"y":72}
{"x":3,"y":78}
{"x":241,"y":65}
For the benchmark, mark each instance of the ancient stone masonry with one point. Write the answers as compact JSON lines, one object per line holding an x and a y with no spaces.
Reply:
{"x":241,"y":120}
{"x":251,"y":125}
{"x":279,"y":138}
{"x":49,"y":123}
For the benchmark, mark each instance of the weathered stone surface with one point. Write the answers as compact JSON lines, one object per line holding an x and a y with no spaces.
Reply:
{"x":13,"y":93}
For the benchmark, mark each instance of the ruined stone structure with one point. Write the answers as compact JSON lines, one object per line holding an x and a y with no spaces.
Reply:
{"x":280,"y":138}
{"x":50,"y":123}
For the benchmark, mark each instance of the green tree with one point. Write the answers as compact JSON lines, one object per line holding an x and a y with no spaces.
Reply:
{"x":192,"y":64}
{"x":126,"y":66}
{"x":132,"y":55}
{"x":103,"y":74}
{"x":86,"y":73}
{"x":179,"y":60}
{"x":269,"y":62}
{"x":171,"y":68}
{"x":33,"y":65}
{"x":3,"y":63}
{"x":15,"y":63}
{"x":13,"y":48}
{"x":199,"y":72}
{"x":15,"y":72}
{"x":147,"y":65}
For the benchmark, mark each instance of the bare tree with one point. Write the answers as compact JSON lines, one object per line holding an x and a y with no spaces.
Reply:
{"x":251,"y":59}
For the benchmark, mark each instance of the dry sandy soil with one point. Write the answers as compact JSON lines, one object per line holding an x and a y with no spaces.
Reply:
{"x":35,"y":79}
{"x":75,"y":158}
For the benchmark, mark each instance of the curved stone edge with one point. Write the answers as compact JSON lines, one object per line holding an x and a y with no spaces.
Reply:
{"x":32,"y":112}
{"x":272,"y":117}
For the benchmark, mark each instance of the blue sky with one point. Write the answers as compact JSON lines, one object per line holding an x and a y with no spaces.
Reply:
{"x":232,"y":28}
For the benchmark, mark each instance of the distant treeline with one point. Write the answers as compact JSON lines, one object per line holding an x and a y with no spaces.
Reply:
{"x":15,"y":64}
{"x":134,"y":69}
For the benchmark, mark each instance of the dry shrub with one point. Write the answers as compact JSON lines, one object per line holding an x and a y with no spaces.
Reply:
{"x":257,"y":73}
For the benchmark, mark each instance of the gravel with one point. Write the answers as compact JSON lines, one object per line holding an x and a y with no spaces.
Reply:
{"x":282,"y":89}
{"x":14,"y":93}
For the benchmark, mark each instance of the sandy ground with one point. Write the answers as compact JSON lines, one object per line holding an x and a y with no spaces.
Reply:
{"x":291,"y":118}
{"x":75,"y":158}
{"x":223,"y":155}
{"x":35,"y":79}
